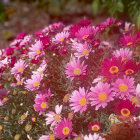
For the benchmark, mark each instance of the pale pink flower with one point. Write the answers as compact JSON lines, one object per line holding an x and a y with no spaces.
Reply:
{"x":79,"y":100}
{"x":26,"y":40}
{"x":19,"y":67}
{"x":40,"y":70}
{"x":47,"y":137}
{"x":101,"y":94}
{"x":54,"y":117}
{"x":82,"y":50}
{"x":135,"y":99}
{"x":124,"y":53}
{"x":33,"y":83}
{"x":93,"y":137}
{"x":60,"y":37}
{"x":36,"y":50}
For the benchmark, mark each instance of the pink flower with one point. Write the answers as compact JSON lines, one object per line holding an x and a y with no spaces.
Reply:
{"x":129,"y":40}
{"x":101,"y":94}
{"x":79,"y":100}
{"x":36,"y":50}
{"x":41,"y":103}
{"x":123,"y":88}
{"x":54,"y":117}
{"x":47,"y":137}
{"x":63,"y":129}
{"x":19,"y":67}
{"x":46,"y":93}
{"x":40,"y":70}
{"x":124,"y":53}
{"x":19,"y":82}
{"x":93,"y":137}
{"x":81,"y":49}
{"x":135,"y":99}
{"x":33,"y":83}
{"x":84,"y":33}
{"x":125,"y":108}
{"x":75,"y":69}
{"x":25,"y":41}
{"x":60,"y":37}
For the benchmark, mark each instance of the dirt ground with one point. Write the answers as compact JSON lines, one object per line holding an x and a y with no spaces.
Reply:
{"x":28,"y":18}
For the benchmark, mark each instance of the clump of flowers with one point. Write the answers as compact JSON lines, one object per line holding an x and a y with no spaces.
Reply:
{"x":64,"y":82}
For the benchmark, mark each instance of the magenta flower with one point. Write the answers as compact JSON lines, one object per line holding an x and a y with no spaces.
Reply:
{"x":41,"y":103}
{"x":101,"y":94}
{"x":123,"y":88}
{"x":75,"y":69}
{"x":79,"y":100}
{"x":129,"y":40}
{"x":125,"y":108}
{"x":84,"y":33}
{"x":111,"y":67}
{"x":63,"y":129}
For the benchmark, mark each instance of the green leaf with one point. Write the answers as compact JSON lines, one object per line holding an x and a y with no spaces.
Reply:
{"x":95,"y":7}
{"x":120,"y":6}
{"x":138,"y":22}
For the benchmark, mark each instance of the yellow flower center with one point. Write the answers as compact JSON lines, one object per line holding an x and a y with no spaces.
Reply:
{"x":95,"y":128}
{"x":1,"y":127}
{"x":61,"y":39}
{"x":113,"y":69}
{"x":129,"y":72}
{"x":83,"y":101}
{"x":125,"y":112}
{"x":102,"y":96}
{"x":5,"y":98}
{"x":44,"y":105}
{"x":52,"y":137}
{"x":123,"y":87}
{"x":38,"y":51}
{"x":66,"y":130}
{"x":41,"y":72}
{"x":85,"y":52}
{"x":34,"y":119}
{"x":135,"y":100}
{"x":20,"y":69}
{"x":36,"y":84}
{"x":77,"y":71}
{"x":85,"y":37}
{"x":19,"y":83}
{"x":123,"y":58}
{"x":129,"y":43}
{"x":56,"y":117}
